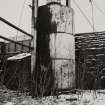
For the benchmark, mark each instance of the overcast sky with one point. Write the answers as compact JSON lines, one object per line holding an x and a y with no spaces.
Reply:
{"x":19,"y":13}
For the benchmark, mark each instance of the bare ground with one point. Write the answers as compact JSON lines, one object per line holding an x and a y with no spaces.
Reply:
{"x":8,"y":97}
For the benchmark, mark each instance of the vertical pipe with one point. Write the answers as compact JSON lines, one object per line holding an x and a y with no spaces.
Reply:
{"x":33,"y":43}
{"x":68,"y":3}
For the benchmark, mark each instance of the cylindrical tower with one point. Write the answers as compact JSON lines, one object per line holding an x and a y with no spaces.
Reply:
{"x":56,"y":43}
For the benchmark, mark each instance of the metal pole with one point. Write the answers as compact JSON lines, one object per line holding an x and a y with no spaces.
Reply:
{"x":68,"y":3}
{"x":33,"y":43}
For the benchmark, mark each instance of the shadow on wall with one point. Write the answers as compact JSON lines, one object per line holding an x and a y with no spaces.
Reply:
{"x":44,"y":75}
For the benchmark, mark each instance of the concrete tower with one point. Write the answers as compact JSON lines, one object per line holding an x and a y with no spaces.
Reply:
{"x":56,"y":43}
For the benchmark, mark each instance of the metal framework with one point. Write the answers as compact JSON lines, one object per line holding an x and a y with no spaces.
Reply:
{"x":15,"y":42}
{"x":15,"y":27}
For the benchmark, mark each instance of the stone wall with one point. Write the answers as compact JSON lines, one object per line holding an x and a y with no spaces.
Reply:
{"x":90,"y":60}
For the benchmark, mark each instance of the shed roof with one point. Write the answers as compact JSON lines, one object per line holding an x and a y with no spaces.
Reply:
{"x":19,"y":56}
